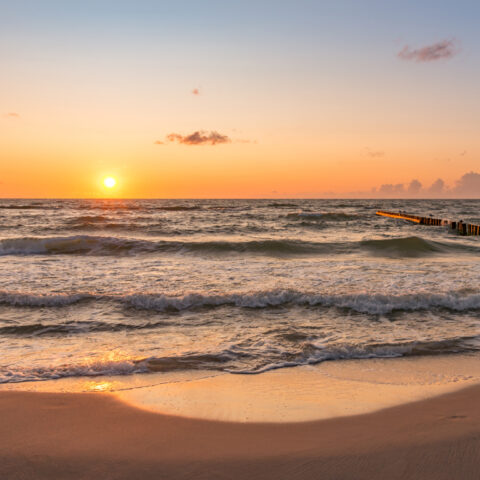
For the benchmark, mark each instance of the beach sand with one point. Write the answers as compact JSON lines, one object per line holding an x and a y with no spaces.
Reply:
{"x":98,"y":436}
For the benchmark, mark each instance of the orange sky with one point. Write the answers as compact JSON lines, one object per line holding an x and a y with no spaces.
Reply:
{"x":312,"y":104}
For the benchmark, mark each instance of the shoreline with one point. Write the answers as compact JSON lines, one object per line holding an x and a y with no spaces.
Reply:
{"x":288,"y":395}
{"x":76,"y":436}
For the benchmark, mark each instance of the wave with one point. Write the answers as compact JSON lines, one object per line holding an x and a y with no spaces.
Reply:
{"x":18,"y":299}
{"x":376,"y":304}
{"x":102,"y":245}
{"x":312,"y":354}
{"x":26,"y":207}
{"x":282,"y":205}
{"x":365,"y":303}
{"x":324,"y":217}
{"x":117,"y":226}
{"x":240,"y":362}
{"x":179,"y":208}
{"x":413,"y":246}
{"x":91,"y":368}
{"x":78,"y":244}
{"x":117,"y":206}
{"x":405,"y":247}
{"x":122,"y":227}
{"x":312,"y":225}
{"x":75,"y":327}
{"x":143,"y":224}
{"x":87,"y":219}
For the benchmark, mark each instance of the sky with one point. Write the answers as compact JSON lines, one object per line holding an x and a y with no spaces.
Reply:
{"x":239,"y":99}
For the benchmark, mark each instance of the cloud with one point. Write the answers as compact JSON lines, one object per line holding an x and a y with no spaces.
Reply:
{"x":196,"y":91}
{"x":12,"y":115}
{"x":437,"y":187}
{"x":414,"y":188}
{"x":199,"y":138}
{"x":468,"y":185}
{"x":430,"y":53}
{"x":374,"y":153}
{"x":390,"y":189}
{"x":158,"y":142}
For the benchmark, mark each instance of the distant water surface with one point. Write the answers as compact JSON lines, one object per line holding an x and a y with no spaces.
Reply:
{"x":118,"y":287}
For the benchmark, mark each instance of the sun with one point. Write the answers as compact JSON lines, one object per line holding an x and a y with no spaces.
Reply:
{"x":109,"y":182}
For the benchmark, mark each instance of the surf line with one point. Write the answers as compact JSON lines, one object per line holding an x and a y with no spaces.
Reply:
{"x":460,"y":226}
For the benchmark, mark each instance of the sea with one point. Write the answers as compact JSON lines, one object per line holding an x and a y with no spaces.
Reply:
{"x":124,"y":287}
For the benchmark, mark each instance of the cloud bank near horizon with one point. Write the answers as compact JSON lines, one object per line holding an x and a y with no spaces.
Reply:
{"x":467,"y":186}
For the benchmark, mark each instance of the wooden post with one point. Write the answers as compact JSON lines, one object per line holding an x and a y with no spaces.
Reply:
{"x":461,"y":227}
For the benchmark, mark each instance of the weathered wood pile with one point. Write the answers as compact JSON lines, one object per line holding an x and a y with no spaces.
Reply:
{"x":461,"y":227}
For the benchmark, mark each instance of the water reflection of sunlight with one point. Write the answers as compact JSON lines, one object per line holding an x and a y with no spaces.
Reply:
{"x":102,"y":386}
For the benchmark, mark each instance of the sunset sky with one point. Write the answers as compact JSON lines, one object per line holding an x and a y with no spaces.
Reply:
{"x":238,"y":98}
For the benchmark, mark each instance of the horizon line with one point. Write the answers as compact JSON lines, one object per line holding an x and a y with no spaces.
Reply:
{"x":239,"y":198}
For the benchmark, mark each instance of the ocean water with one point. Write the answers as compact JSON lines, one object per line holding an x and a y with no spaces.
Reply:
{"x":105,"y":287}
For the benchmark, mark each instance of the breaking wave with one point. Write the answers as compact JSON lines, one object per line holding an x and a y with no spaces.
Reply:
{"x":375,"y":304}
{"x":92,"y":368}
{"x":366,"y":303}
{"x":103,"y":245}
{"x":312,"y":354}
{"x":238,"y":362}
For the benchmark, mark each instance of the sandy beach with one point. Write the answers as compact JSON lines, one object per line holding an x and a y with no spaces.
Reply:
{"x":85,"y":436}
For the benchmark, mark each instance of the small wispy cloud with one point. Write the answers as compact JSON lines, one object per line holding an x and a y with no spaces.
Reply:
{"x":374,"y":153}
{"x":12,"y":115}
{"x":196,"y":91}
{"x":158,"y":142}
{"x":197,"y":138}
{"x":438,"y":51}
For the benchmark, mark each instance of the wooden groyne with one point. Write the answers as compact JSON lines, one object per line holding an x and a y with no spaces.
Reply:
{"x":461,"y":227}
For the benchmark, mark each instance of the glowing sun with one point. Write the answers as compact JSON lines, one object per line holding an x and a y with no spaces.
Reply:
{"x":109,"y":182}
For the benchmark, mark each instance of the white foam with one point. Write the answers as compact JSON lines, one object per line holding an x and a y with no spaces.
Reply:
{"x":376,"y":304}
{"x":88,"y":369}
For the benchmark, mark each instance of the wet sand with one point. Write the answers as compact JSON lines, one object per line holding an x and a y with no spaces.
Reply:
{"x":89,"y":436}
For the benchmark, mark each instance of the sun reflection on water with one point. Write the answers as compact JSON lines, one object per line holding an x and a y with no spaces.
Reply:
{"x":101,"y":386}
